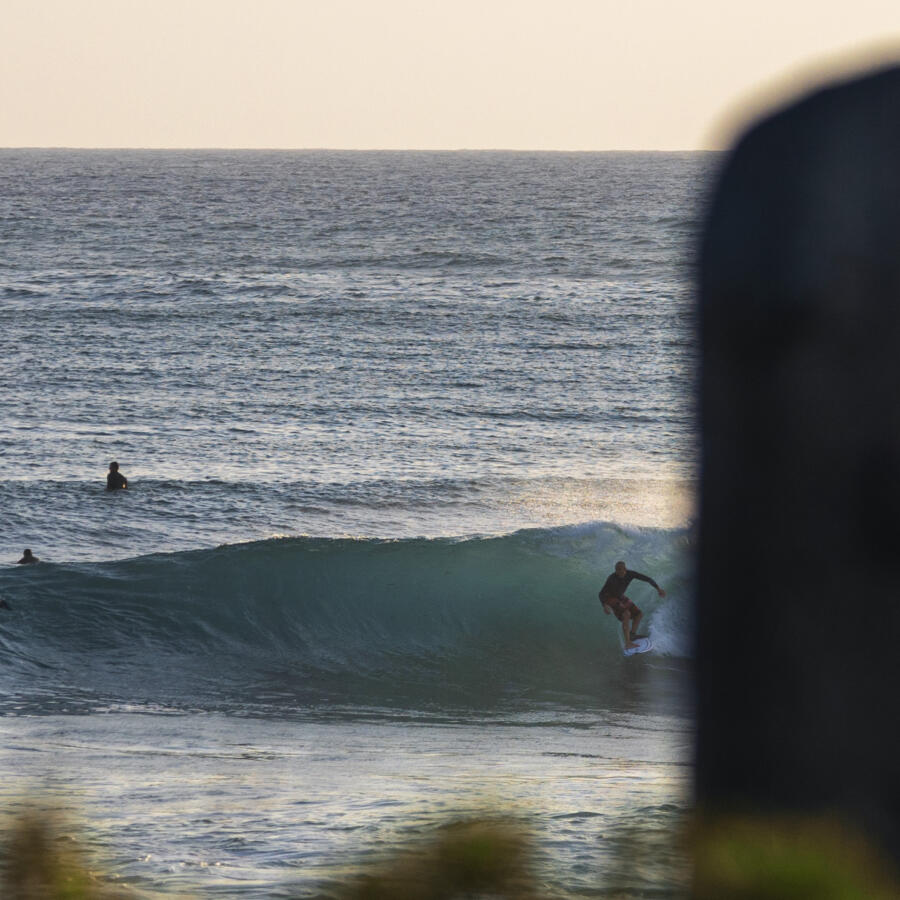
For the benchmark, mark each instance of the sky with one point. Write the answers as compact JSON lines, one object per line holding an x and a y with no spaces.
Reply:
{"x":418,"y":74}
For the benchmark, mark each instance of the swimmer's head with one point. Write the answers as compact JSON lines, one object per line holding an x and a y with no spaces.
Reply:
{"x":113,"y":467}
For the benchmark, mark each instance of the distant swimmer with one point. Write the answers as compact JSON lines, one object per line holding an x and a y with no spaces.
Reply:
{"x":115,"y":480}
{"x":4,"y":604}
{"x":612,"y":596}
{"x":27,"y":557}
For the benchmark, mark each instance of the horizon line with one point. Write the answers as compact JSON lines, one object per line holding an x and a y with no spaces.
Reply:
{"x":351,"y":149}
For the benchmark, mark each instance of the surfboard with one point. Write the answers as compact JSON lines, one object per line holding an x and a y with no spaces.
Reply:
{"x":643,"y":645}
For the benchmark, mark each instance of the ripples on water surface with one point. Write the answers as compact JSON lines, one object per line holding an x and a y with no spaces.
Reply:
{"x":353,"y":333}
{"x":417,"y":346}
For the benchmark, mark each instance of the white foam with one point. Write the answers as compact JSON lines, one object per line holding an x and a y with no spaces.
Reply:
{"x":670,"y":627}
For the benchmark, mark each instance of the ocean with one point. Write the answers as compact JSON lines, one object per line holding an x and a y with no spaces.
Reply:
{"x":388,"y":420}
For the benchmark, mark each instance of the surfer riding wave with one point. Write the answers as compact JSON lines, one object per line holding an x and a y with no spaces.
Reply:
{"x":612,"y":596}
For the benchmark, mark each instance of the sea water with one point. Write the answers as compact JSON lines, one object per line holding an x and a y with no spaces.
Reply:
{"x":388,"y":421}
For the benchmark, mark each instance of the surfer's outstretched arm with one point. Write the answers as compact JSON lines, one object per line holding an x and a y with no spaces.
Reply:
{"x":649,"y":581}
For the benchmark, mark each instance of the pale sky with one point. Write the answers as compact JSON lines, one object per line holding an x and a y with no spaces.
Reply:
{"x":404,"y":74}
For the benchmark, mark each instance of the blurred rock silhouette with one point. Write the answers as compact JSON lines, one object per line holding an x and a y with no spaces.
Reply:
{"x":799,"y":568}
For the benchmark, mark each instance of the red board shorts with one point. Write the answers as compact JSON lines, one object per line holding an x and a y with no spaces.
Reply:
{"x":620,"y":606}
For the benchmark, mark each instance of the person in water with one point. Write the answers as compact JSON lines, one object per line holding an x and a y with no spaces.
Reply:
{"x":27,"y":557}
{"x":612,"y":596}
{"x":115,"y":480}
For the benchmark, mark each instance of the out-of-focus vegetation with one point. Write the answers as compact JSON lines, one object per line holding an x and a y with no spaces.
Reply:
{"x":733,"y":858}
{"x":464,"y":860}
{"x":40,"y":862}
{"x":785,"y":858}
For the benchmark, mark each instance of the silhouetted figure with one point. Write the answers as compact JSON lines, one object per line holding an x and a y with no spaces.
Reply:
{"x":27,"y":558}
{"x":612,"y":596}
{"x":115,"y":480}
{"x":800,"y":318}
{"x":4,"y":604}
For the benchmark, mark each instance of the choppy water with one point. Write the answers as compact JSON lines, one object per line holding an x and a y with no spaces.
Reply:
{"x":388,"y":420}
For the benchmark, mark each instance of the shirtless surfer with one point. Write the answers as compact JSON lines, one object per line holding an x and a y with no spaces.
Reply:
{"x":27,"y":558}
{"x":612,"y":596}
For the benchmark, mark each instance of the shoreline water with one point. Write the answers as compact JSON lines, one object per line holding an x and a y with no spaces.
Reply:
{"x":194,"y":837}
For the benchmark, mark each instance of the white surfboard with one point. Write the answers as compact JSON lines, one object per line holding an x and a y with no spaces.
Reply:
{"x":643,"y":645}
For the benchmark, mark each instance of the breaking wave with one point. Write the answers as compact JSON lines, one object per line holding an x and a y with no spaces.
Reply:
{"x":314,"y":621}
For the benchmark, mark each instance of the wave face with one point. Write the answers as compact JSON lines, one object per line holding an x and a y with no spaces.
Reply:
{"x":314,"y":622}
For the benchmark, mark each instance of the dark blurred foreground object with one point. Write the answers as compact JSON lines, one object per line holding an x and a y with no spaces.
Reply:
{"x":799,"y":569}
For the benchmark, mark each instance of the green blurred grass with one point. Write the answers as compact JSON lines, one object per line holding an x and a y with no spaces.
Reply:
{"x":731,"y":857}
{"x":40,"y":863}
{"x":786,"y":857}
